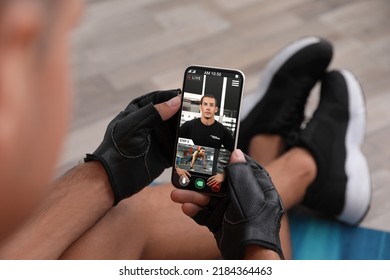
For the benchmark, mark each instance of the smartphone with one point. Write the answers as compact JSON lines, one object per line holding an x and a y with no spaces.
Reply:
{"x":208,"y":128}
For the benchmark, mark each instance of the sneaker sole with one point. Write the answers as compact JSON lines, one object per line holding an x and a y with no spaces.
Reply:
{"x":274,"y":65}
{"x":358,"y":188}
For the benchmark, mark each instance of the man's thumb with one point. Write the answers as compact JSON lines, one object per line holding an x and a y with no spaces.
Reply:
{"x":168,"y":108}
{"x":237,"y":156}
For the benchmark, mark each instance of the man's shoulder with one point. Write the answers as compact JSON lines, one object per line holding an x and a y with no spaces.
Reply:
{"x":188,"y":126}
{"x":191,"y":122}
{"x":223,"y":128}
{"x":220,"y":125}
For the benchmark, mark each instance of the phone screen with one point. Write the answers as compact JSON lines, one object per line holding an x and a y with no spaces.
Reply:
{"x":208,"y":128}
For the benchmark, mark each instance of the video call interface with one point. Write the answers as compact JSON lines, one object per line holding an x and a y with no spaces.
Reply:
{"x":205,"y":149}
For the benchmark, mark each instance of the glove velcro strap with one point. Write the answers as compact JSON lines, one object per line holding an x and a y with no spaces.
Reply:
{"x":92,"y":157}
{"x":263,"y":244}
{"x":234,"y":239}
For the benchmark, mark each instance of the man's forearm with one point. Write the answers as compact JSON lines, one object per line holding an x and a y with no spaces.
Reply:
{"x":75,"y":203}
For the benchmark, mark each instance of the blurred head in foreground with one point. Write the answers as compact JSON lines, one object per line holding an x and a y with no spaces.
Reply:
{"x":35,"y":98}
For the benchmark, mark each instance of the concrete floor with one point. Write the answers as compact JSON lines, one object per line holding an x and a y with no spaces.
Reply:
{"x":125,"y":48}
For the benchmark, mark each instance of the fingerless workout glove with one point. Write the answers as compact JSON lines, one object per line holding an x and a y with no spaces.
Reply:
{"x":250,"y":215}
{"x":138,"y":145}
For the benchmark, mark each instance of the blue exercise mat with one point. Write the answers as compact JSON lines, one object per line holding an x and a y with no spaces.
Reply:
{"x":315,"y":238}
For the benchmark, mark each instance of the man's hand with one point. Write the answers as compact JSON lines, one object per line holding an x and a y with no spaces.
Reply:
{"x":139,"y":142}
{"x":249,"y":215}
{"x":183,"y":172}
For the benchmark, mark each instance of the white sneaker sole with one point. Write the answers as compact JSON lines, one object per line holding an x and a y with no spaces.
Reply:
{"x":250,"y":101}
{"x":358,"y":189}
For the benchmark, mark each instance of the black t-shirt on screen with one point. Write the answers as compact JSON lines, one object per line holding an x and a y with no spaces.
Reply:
{"x":212,"y":136}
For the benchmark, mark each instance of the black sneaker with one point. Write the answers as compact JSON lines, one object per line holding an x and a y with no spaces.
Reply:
{"x":278,"y":107}
{"x":334,"y":137}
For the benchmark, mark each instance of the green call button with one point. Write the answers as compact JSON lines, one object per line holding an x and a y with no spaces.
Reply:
{"x":200,"y":184}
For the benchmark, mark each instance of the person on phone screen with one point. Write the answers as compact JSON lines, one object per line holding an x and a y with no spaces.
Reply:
{"x":207,"y":131}
{"x":198,"y":154}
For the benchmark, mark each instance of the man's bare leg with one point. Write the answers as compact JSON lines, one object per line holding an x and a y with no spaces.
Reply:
{"x":291,"y":173}
{"x":266,"y":148}
{"x":146,"y":226}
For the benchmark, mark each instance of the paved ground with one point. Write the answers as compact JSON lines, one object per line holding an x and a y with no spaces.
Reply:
{"x":124,"y":48}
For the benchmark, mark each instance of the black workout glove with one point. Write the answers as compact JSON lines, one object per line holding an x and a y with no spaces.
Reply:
{"x":138,"y":145}
{"x":249,"y":215}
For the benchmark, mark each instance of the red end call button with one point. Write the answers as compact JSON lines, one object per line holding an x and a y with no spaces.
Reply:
{"x":216,"y":188}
